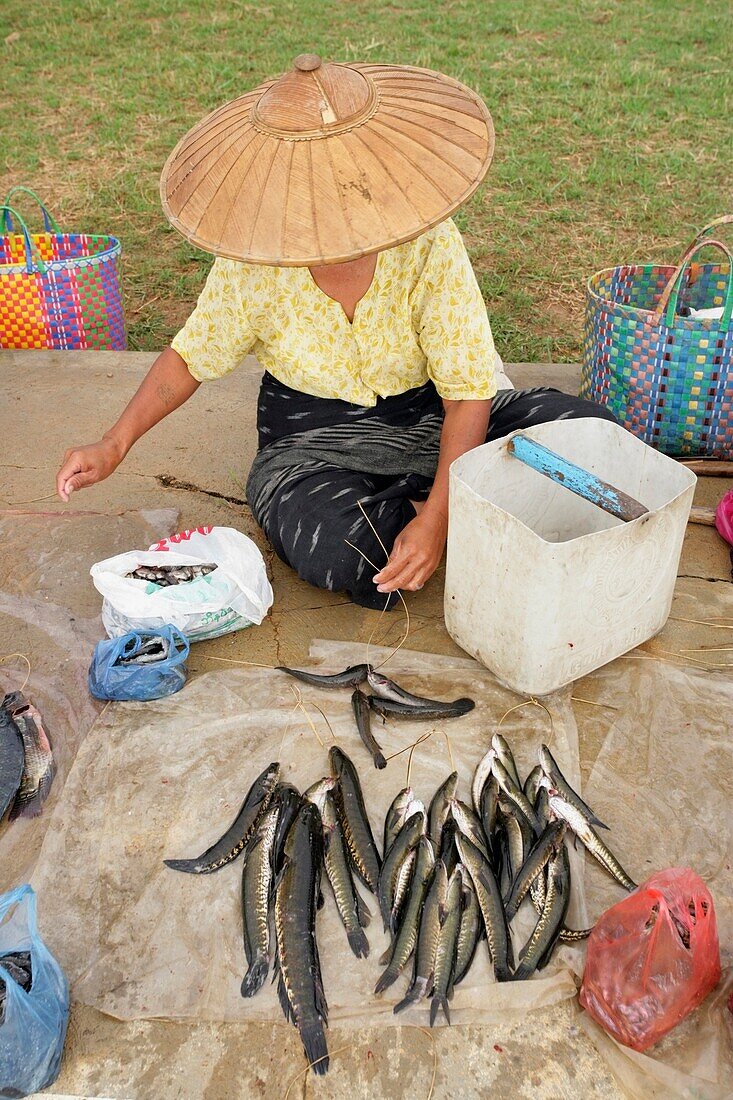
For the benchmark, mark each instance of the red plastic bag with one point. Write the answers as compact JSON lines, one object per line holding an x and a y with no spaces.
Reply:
{"x":652,"y":958}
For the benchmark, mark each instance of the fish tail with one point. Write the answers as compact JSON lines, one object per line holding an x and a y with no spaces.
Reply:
{"x":379,"y":760}
{"x":362,"y":910}
{"x":387,"y":978}
{"x":410,"y":998}
{"x":521,"y":974}
{"x":254,"y":979}
{"x":358,"y":943}
{"x":190,"y":866}
{"x":436,"y":1004}
{"x":313,"y":1039}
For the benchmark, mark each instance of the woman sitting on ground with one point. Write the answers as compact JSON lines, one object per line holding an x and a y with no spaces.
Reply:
{"x":379,"y":370}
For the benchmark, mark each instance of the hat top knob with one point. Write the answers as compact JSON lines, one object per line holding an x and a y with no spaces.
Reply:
{"x":307,"y":62}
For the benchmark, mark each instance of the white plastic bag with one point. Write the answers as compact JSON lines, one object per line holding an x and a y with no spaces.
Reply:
{"x":236,"y":594}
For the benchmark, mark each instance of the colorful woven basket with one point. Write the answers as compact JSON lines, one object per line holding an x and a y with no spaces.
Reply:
{"x":667,"y":376}
{"x":58,"y":290}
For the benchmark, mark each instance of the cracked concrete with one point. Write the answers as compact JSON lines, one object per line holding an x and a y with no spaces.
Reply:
{"x":207,"y":446}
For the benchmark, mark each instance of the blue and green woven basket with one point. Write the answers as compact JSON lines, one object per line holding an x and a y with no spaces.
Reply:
{"x":666,"y":376}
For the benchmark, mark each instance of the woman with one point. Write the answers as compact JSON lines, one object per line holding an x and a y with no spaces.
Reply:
{"x":326,"y":197}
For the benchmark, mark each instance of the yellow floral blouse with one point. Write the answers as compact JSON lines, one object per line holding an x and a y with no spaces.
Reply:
{"x":422,"y":317}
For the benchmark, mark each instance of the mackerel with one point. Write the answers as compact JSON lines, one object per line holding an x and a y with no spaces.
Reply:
{"x":234,"y":840}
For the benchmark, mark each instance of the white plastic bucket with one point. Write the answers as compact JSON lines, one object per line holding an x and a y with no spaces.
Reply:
{"x":542,"y":586}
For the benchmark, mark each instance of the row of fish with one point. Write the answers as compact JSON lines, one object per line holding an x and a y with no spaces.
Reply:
{"x":18,"y":966}
{"x":27,"y":766}
{"x":388,"y":700}
{"x":166,"y":575}
{"x":457,"y":872}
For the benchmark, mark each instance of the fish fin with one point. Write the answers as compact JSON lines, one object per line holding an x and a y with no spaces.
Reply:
{"x":436,"y":1004}
{"x":254,"y":979}
{"x":442,"y":913}
{"x":363,"y":911}
{"x":521,"y":973}
{"x":379,"y":760}
{"x":387,"y":978}
{"x":190,"y":866}
{"x":313,"y":1038}
{"x":358,"y":943}
{"x":282,"y":996}
{"x":410,"y":998}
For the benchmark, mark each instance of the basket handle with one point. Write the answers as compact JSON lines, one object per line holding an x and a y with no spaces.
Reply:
{"x":30,"y":249}
{"x":725,"y":220}
{"x":50,"y":223}
{"x":670,"y":294}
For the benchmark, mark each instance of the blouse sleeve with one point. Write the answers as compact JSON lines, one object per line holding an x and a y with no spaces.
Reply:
{"x":219,"y":332}
{"x":451,"y":321}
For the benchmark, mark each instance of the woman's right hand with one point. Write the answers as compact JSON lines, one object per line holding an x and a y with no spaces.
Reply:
{"x":83,"y":466}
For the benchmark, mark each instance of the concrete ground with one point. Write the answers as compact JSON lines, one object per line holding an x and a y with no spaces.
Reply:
{"x":196,"y":463}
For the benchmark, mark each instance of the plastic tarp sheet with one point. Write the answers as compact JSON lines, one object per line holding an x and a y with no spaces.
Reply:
{"x":164,"y":779}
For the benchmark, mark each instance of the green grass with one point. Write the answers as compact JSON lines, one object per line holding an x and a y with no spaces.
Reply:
{"x":613,"y":123}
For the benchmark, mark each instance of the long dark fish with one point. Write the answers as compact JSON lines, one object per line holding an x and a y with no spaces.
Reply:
{"x":558,"y":782}
{"x":404,"y":842}
{"x":257,"y":879}
{"x":289,"y":799}
{"x":353,"y":912}
{"x":396,"y":816}
{"x":469,"y":933}
{"x":440,"y":807}
{"x":542,"y":852}
{"x":384,"y":688}
{"x":386,"y":708}
{"x":362,"y":713}
{"x":423,"y":976}
{"x":11,"y":760}
{"x":445,"y":954}
{"x":229,"y":846}
{"x":546,"y":931}
{"x":349,"y":678}
{"x":579,"y":824}
{"x":39,"y":767}
{"x":300,"y":985}
{"x":397,"y":956}
{"x":490,"y":903}
{"x":354,"y":819}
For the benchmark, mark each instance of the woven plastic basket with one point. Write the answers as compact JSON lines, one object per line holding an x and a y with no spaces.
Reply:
{"x":58,"y":290}
{"x":665,"y":375}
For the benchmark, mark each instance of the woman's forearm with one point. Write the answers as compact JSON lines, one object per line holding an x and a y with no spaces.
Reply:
{"x":464,"y":427}
{"x":166,"y":386}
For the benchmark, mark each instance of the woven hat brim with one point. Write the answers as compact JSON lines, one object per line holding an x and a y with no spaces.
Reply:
{"x":244,"y":194}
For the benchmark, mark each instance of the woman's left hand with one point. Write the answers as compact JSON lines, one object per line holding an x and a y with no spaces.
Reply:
{"x":416,"y":553}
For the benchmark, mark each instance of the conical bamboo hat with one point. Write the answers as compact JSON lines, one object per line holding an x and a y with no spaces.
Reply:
{"x":327,"y":163}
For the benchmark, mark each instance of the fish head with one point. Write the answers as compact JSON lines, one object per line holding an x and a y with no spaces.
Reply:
{"x":317,"y":792}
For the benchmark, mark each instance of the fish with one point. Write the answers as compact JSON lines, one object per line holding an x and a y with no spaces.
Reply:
{"x":144,"y":650}
{"x":387,"y":708}
{"x":469,"y":825}
{"x":362,"y":713}
{"x":544,"y":849}
{"x":12,"y":759}
{"x":469,"y":932}
{"x":445,"y":953}
{"x":448,"y":851}
{"x":39,"y":767}
{"x":503,"y":752}
{"x":354,"y":819}
{"x":543,"y":938}
{"x":402,"y":889}
{"x":355,"y":915}
{"x":440,"y":807}
{"x":532,"y":785}
{"x":403,"y":843}
{"x":234,"y":840}
{"x":257,"y":881}
{"x":423,"y":976}
{"x":488,"y":813}
{"x":554,"y":778}
{"x":579,"y":824}
{"x":396,"y":816}
{"x":398,"y":954}
{"x":490,"y":903}
{"x":19,"y":966}
{"x":289,"y":800}
{"x":317,"y":791}
{"x":387,"y":689}
{"x":351,"y":677}
{"x":480,"y":778}
{"x":519,"y":837}
{"x":300,"y":984}
{"x":515,"y":794}
{"x":166,"y":575}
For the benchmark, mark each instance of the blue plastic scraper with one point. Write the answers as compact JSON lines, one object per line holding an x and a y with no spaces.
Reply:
{"x":575,"y":478}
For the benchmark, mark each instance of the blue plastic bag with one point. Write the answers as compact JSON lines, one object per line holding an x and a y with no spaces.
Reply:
{"x":119,"y":669}
{"x":34,"y":1027}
